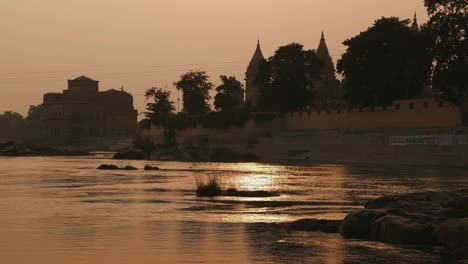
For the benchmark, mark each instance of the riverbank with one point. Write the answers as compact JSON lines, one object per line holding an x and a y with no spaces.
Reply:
{"x":422,"y":219}
{"x":15,"y":149}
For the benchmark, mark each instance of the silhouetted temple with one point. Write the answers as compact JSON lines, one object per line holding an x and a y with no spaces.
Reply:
{"x":329,"y":91}
{"x":415,"y":25}
{"x":328,"y":88}
{"x":252,"y":90}
{"x":83,"y":115}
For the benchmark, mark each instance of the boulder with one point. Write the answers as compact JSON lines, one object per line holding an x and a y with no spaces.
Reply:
{"x":326,"y":226}
{"x":437,"y":205}
{"x":358,"y":224}
{"x":130,"y":168}
{"x":108,"y":167}
{"x":453,"y":235}
{"x":401,"y":230}
{"x":151,"y":168}
{"x":133,"y":154}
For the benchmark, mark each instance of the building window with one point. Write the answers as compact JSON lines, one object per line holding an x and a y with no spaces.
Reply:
{"x":411,"y":105}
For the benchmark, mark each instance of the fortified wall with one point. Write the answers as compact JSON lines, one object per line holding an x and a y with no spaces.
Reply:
{"x":417,"y":132}
{"x":422,"y":113}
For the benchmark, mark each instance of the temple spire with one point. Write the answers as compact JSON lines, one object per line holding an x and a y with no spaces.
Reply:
{"x":415,"y":25}
{"x":252,"y":90}
{"x":328,"y":70}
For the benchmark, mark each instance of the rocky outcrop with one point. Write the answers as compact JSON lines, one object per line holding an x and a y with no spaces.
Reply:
{"x":326,"y":226}
{"x":133,"y":154}
{"x":425,"y":218}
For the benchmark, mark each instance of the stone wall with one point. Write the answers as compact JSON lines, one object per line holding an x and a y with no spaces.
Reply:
{"x":401,"y":114}
{"x":417,"y":132}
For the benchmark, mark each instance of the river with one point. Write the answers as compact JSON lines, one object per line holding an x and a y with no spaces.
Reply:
{"x":63,"y":210}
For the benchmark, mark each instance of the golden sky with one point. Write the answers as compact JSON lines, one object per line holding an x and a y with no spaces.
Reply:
{"x":144,"y":43}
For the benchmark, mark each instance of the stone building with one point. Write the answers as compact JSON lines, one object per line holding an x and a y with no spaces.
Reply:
{"x":83,"y":115}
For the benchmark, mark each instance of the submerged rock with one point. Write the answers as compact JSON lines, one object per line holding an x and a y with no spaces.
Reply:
{"x":327,"y":226}
{"x":130,"y":168}
{"x":150,"y":168}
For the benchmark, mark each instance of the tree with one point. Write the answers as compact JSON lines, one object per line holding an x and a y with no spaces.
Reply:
{"x":160,"y":108}
{"x":195,"y":88}
{"x":448,"y":28}
{"x":230,"y":94}
{"x":387,"y":62}
{"x":287,"y":79}
{"x":11,"y":125}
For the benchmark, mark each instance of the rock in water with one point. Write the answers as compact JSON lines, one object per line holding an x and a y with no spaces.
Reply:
{"x":401,"y":230}
{"x":150,"y":168}
{"x":108,"y":167}
{"x":358,"y":224}
{"x":130,"y":168}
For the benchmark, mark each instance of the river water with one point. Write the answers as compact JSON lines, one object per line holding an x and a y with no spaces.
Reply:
{"x":63,"y":210}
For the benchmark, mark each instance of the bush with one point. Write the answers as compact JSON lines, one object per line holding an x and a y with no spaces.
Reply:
{"x":210,"y":188}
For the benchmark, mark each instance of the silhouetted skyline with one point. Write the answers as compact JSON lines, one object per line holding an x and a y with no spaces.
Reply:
{"x":140,"y":44}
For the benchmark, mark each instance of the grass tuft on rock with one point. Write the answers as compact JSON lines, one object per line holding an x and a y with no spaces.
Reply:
{"x":208,"y":188}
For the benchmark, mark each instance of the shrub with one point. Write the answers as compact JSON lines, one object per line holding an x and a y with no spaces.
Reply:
{"x":210,"y":188}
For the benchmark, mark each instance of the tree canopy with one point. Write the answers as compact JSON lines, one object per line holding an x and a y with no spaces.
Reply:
{"x":158,"y":106}
{"x":387,"y":62}
{"x":286,"y":79}
{"x":448,"y":28}
{"x":230,"y":94}
{"x":195,"y":88}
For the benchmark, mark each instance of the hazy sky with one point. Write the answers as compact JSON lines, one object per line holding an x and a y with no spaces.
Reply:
{"x":144,"y":43}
